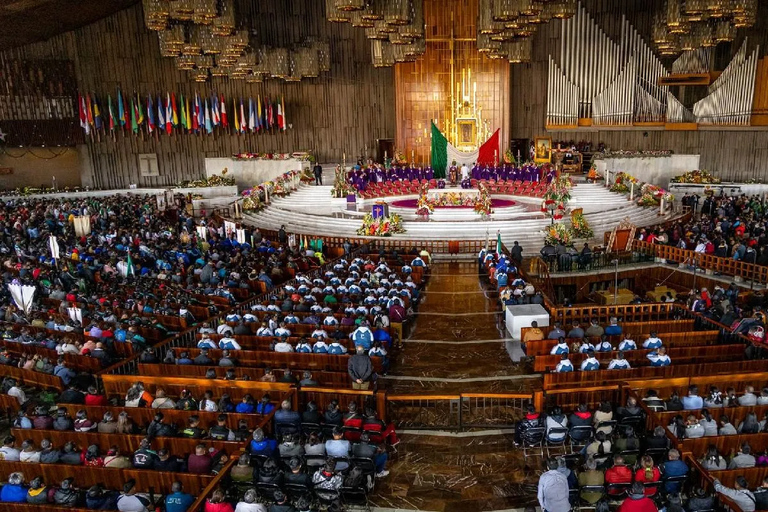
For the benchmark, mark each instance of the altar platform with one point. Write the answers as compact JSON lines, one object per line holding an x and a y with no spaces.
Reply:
{"x":312,"y":210}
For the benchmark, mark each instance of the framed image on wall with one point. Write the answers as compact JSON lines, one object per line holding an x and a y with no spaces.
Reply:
{"x":543,"y":153}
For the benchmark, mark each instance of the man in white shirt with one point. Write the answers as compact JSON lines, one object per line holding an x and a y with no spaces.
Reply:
{"x":464,"y":171}
{"x":560,"y":348}
{"x":565,"y":364}
{"x":8,"y":452}
{"x":590,"y":363}
{"x":553,"y":490}
{"x":16,"y":392}
{"x":653,"y":341}
{"x":748,"y":399}
{"x":627,"y":344}
{"x":619,"y":363}
{"x":283,"y":346}
{"x":224,"y":329}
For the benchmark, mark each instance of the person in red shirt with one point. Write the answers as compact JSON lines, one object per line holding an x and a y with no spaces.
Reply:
{"x":217,"y":503}
{"x":648,"y":473}
{"x":94,"y":398}
{"x":92,"y":457}
{"x":200,"y":461}
{"x":619,"y":473}
{"x":353,"y":420}
{"x":637,"y":501}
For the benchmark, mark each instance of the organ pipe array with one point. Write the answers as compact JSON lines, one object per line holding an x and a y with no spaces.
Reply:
{"x":615,"y":83}
{"x":730,"y":97}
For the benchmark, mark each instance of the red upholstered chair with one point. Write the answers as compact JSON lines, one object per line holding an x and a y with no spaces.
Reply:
{"x":433,"y":183}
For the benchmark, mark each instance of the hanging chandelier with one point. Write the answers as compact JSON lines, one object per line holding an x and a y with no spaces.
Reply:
{"x":395,"y":27}
{"x":504,"y":27}
{"x":203,"y":38}
{"x":685,"y":25}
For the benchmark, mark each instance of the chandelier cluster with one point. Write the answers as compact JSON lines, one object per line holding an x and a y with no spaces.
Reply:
{"x":505,"y":27}
{"x":395,"y":27}
{"x":685,"y":25}
{"x":201,"y":36}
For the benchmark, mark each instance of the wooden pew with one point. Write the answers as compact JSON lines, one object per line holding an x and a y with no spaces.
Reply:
{"x":111,"y":478}
{"x":118,"y":385}
{"x":75,"y":362}
{"x":637,"y":358}
{"x":570,"y":398}
{"x":143,"y":416}
{"x":292,"y":360}
{"x":726,"y":445}
{"x":127,"y":444}
{"x":603,"y":377}
{"x":263,"y":343}
{"x":670,"y":340}
{"x":33,"y":378}
{"x":325,"y":379}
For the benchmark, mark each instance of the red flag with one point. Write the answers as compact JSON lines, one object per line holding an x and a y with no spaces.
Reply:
{"x":82,"y":114}
{"x":489,"y":151}
{"x":195,"y":125}
{"x":89,"y":109}
{"x":223,"y":113}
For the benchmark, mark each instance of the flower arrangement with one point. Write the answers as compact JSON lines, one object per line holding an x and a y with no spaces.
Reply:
{"x":593,"y":176}
{"x":508,"y":156}
{"x":213,"y":181}
{"x":385,"y":226}
{"x":296,"y":155}
{"x":696,"y":176}
{"x":483,"y":202}
{"x":579,"y":226}
{"x":280,"y":187}
{"x":651,"y":195}
{"x":559,"y":191}
{"x":557,"y":233}
{"x":630,"y":154}
{"x":622,"y":183}
{"x":341,"y":187}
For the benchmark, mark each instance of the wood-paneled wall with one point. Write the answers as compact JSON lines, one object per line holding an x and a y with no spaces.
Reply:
{"x":340,"y":111}
{"x":736,"y":155}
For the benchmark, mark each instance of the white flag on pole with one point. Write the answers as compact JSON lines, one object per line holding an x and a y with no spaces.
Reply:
{"x":54,"y":246}
{"x":201,"y":232}
{"x":229,"y":228}
{"x":76,"y":314}
{"x":240,"y":236}
{"x":23,"y":295}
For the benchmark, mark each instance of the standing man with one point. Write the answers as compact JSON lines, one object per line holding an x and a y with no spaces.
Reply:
{"x":464,"y":171}
{"x":317,"y":170}
{"x":553,"y":490}
{"x":360,"y":368}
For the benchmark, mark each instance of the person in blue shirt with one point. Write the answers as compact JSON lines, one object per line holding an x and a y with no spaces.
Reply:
{"x":184,"y":358}
{"x":362,"y":336}
{"x":627,"y":343}
{"x":614,"y":329}
{"x":382,"y":336}
{"x":65,"y":374}
{"x":604,"y":345}
{"x":265,"y":406}
{"x":653,"y":342}
{"x":206,"y":343}
{"x":120,"y":334}
{"x":178,"y":500}
{"x":560,"y":348}
{"x":585,"y":347}
{"x":659,"y":357}
{"x":590,"y":363}
{"x":246,"y":405}
{"x":565,"y":364}
{"x":619,"y":363}
{"x":693,"y":400}
{"x":337,"y":348}
{"x":320,"y":347}
{"x":14,"y":491}
{"x":674,"y":467}
{"x":303,"y":347}
{"x":261,"y":445}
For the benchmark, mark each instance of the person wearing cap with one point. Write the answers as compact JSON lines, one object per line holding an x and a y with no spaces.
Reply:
{"x":129,"y":501}
{"x":66,"y":495}
{"x":37,"y":494}
{"x":178,"y":500}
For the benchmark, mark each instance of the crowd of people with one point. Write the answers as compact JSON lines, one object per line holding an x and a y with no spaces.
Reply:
{"x":620,"y":463}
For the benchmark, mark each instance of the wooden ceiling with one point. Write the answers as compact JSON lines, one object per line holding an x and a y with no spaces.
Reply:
{"x":28,"y":21}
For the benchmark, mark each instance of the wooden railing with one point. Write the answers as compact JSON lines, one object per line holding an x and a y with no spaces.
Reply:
{"x":727,"y":266}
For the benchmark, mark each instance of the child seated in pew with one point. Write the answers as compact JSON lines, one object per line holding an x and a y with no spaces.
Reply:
{"x":627,"y":343}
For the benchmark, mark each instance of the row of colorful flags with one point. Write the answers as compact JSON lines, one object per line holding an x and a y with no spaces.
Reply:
{"x":145,"y":114}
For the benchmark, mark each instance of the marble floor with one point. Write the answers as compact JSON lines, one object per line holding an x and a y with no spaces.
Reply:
{"x":455,"y":346}
{"x":458,"y":474}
